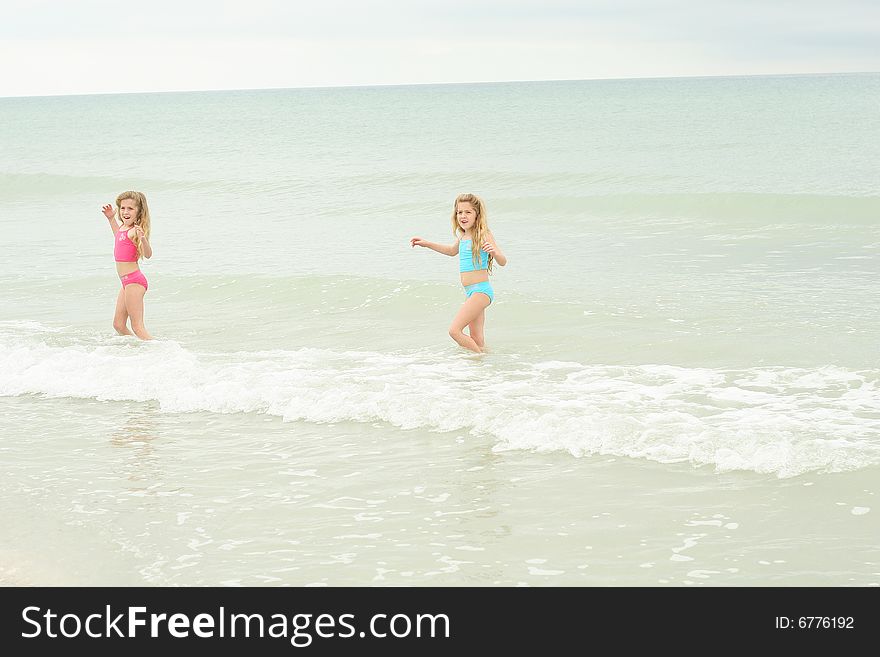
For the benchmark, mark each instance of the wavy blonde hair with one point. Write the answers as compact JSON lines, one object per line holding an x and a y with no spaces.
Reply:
{"x":481,"y":225}
{"x":143,"y":216}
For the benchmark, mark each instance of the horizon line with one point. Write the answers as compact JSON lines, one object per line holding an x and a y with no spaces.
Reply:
{"x":440,"y":84}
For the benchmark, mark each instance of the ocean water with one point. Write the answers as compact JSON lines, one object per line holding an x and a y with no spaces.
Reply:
{"x":683,"y":382}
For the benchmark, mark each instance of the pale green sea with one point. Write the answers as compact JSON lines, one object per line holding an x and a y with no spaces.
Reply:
{"x":683,"y":384}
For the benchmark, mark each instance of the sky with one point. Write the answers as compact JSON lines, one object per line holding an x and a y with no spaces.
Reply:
{"x":58,"y":47}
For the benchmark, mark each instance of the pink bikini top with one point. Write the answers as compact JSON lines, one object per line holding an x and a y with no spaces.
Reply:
{"x":124,"y":250}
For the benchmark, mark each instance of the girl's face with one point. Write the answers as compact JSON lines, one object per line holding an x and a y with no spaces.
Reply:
{"x":128,"y":211}
{"x":466,"y":215}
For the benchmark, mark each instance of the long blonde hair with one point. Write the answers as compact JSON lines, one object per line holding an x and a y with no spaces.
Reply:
{"x":481,"y":225}
{"x":143,"y":216}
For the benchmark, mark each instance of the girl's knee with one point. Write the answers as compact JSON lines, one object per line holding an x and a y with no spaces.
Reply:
{"x":458,"y":336}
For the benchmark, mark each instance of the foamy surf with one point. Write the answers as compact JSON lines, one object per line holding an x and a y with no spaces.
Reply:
{"x":774,"y":420}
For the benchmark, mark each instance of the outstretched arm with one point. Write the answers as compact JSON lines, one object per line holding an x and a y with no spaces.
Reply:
{"x":110,"y":213}
{"x":450,"y":250}
{"x":490,"y":246}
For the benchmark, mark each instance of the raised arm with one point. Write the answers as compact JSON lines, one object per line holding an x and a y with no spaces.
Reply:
{"x":450,"y":250}
{"x":145,"y":242}
{"x":491,"y":246}
{"x":110,"y":213}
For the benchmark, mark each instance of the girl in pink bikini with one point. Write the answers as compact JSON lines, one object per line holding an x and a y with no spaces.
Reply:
{"x":132,"y":241}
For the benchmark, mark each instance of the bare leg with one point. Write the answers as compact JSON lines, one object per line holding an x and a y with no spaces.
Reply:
{"x":471,"y":309}
{"x":134,"y":304}
{"x":475,"y":330}
{"x":120,"y":316}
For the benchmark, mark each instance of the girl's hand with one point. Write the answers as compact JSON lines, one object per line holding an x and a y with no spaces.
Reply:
{"x":492,"y":249}
{"x":417,"y":241}
{"x":140,"y":232}
{"x":108,"y":211}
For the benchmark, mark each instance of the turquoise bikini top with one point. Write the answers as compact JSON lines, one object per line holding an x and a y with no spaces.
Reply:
{"x":466,"y":257}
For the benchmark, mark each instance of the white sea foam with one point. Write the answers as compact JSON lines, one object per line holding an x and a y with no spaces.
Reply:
{"x":783,"y":421}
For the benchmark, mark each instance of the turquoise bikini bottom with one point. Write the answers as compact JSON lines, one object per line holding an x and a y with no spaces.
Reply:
{"x":485,"y":287}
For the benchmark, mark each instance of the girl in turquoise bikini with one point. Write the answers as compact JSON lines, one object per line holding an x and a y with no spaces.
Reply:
{"x":477,"y":251}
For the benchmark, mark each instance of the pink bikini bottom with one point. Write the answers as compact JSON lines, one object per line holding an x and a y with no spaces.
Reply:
{"x":135,"y":277}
